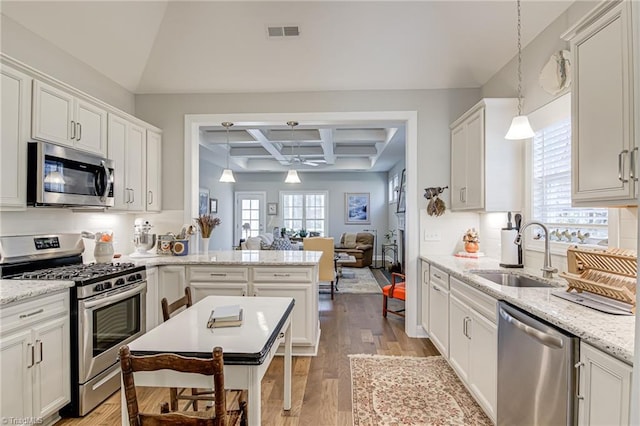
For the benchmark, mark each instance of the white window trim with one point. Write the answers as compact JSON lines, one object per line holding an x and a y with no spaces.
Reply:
{"x":326,"y":204}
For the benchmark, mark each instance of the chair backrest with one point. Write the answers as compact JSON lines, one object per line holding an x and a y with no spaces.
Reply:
{"x":209,"y":367}
{"x":169,"y":309}
{"x":325,"y":245}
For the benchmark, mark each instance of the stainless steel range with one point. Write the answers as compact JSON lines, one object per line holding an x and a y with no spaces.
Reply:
{"x":108,"y":308}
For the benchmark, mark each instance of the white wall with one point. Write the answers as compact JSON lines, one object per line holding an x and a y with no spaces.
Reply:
{"x":25,"y":46}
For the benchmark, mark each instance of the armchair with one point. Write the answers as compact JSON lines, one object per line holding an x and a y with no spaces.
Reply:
{"x":358,"y":245}
{"x":327,"y":270}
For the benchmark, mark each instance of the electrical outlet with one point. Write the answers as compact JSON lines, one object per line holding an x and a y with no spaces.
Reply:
{"x":431,"y":236}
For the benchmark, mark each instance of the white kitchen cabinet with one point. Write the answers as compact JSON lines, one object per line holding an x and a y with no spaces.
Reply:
{"x":299,"y":282}
{"x":439,"y":310}
{"x":153,"y":166}
{"x":34,"y":356}
{"x":604,"y":156}
{"x":604,"y":388}
{"x":424,"y":296}
{"x":172,"y":280}
{"x":152,"y":300}
{"x":486,"y":168}
{"x":15,"y":117}
{"x":62,"y":118}
{"x":473,"y":342}
{"x":127,"y":147}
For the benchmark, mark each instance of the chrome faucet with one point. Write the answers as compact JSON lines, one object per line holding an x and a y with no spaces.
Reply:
{"x":547,"y":269}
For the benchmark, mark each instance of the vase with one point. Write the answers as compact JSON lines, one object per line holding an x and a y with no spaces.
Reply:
{"x":205,"y":245}
{"x":471,"y":247}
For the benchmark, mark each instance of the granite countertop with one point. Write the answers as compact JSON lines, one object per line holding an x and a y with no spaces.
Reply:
{"x":613,"y":334}
{"x":234,"y":257}
{"x":18,"y":290}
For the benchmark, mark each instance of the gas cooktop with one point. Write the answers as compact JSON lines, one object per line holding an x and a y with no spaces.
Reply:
{"x":80,"y":273}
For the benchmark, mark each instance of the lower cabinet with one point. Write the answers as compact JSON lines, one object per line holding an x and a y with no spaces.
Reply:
{"x":604,"y":389}
{"x":424,"y":297}
{"x":153,"y":304}
{"x":34,"y":357}
{"x":439,"y":310}
{"x":473,"y":343}
{"x":172,"y":281}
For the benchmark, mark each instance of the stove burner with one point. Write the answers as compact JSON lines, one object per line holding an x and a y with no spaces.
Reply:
{"x":77,"y":272}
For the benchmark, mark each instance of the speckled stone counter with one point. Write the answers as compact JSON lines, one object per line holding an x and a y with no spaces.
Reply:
{"x":233,"y":257}
{"x":19,"y":290}
{"x":613,"y":334}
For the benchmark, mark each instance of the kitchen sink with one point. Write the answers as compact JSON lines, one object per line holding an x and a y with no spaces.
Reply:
{"x":512,"y":280}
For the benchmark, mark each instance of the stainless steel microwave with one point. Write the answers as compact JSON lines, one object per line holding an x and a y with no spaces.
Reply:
{"x":65,"y":177}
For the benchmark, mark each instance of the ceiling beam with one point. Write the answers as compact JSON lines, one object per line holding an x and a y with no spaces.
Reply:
{"x":259,"y":136}
{"x":326,"y":136}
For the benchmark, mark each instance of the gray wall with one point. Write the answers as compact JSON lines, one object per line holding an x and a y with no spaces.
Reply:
{"x":25,"y":46}
{"x":222,"y":236}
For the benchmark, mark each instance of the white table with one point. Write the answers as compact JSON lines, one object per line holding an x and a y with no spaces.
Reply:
{"x":248,"y":349}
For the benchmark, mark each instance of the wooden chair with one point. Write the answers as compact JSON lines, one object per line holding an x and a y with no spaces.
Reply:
{"x":327,"y":268}
{"x":210,"y":367}
{"x":395,"y":290}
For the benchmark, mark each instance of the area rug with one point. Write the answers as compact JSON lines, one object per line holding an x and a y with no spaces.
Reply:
{"x":363,"y":281}
{"x":395,"y":390}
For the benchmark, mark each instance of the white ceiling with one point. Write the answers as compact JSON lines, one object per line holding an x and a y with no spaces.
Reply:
{"x":222,"y":47}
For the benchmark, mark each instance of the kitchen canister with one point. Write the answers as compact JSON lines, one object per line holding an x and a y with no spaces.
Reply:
{"x":103,"y":252}
{"x":181,"y":247}
{"x":165,"y":244}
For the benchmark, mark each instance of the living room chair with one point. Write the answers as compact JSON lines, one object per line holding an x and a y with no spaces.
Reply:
{"x":214,"y":366}
{"x":359,"y":245}
{"x":327,"y":269}
{"x":395,"y":290}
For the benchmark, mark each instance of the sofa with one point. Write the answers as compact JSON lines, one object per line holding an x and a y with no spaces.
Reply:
{"x":358,"y":245}
{"x":266,"y":241}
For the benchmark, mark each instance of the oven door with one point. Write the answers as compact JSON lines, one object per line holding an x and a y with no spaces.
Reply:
{"x":107,"y":322}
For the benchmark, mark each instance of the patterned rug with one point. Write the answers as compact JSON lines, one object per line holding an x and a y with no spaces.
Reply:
{"x":394,"y":390}
{"x":363,"y":281}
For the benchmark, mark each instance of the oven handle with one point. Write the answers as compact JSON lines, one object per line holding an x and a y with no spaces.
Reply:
{"x":110,"y":299}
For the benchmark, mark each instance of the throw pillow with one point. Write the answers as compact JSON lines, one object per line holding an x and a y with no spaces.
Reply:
{"x":281,"y":244}
{"x":265,"y":246}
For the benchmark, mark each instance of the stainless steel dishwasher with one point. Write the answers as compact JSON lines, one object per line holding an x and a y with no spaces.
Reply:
{"x":536,"y":374}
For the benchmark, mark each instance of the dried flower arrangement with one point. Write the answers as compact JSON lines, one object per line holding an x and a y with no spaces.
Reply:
{"x":471,"y":236}
{"x":206,"y":223}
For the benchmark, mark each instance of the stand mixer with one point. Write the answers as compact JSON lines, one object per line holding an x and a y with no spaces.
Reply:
{"x":143,"y":239}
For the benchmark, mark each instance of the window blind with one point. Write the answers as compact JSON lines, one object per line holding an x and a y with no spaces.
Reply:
{"x":551,"y":187}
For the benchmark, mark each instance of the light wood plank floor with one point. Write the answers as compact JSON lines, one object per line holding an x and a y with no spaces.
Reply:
{"x":321,"y":385}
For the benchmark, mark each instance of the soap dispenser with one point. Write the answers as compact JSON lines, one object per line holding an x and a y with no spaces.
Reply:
{"x":511,"y":253}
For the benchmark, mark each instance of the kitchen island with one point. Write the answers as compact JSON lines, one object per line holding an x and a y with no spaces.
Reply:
{"x":249,"y":273}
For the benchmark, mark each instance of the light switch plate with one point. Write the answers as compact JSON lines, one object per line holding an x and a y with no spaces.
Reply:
{"x":431,"y":236}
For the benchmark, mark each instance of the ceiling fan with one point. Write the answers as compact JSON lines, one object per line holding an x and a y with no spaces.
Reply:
{"x":298,"y":158}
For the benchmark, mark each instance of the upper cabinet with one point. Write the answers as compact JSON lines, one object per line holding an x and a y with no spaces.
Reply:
{"x":62,"y":118}
{"x":604,"y":155}
{"x":154,"y":159}
{"x":16,"y":119}
{"x":486,"y":168}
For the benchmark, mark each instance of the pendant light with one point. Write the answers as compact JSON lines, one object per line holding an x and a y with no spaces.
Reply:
{"x":292,"y":175}
{"x":227,"y":174}
{"x":520,"y":127}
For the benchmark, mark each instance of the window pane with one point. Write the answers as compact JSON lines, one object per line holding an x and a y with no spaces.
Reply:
{"x":304,"y":210}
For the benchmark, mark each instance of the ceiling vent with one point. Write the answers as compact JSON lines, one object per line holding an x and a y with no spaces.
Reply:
{"x":283,"y":31}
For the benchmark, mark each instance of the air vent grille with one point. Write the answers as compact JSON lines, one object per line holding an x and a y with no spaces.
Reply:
{"x":283,"y":31}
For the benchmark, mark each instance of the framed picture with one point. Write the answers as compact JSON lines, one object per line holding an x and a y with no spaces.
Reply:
{"x":203,"y":202}
{"x":213,"y":205}
{"x":356,"y":208}
{"x":272,"y":209}
{"x":402,"y":196}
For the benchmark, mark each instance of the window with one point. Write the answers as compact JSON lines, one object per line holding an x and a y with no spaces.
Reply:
{"x":551,"y":189}
{"x":393,"y":189}
{"x":305,"y":210}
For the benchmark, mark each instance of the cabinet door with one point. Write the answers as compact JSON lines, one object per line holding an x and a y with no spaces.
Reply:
{"x":483,"y":361}
{"x":439,"y":318}
{"x":601,"y":110}
{"x":171,"y":284}
{"x":200,"y":290}
{"x":52,"y":383}
{"x":91,"y":127}
{"x":458,"y":165}
{"x":458,"y":337}
{"x":154,"y":180}
{"x":16,"y":120}
{"x":135,"y":166}
{"x":17,"y":379}
{"x":425,"y":296}
{"x":304,"y":326}
{"x":473,"y":194}
{"x":153,"y":302}
{"x":605,"y":387}
{"x":117,"y":151}
{"x":52,"y":115}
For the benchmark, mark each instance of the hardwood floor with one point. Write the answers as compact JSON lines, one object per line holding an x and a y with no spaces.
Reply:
{"x":321,"y":385}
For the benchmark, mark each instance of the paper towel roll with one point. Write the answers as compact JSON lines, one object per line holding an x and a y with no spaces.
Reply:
{"x":509,"y":250}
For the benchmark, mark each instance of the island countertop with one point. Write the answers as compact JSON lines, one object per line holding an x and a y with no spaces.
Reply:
{"x":613,"y":334}
{"x":234,"y":257}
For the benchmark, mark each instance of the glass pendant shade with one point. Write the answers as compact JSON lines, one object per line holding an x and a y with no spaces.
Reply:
{"x":227,"y":176}
{"x":292,"y":177}
{"x":520,"y":129}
